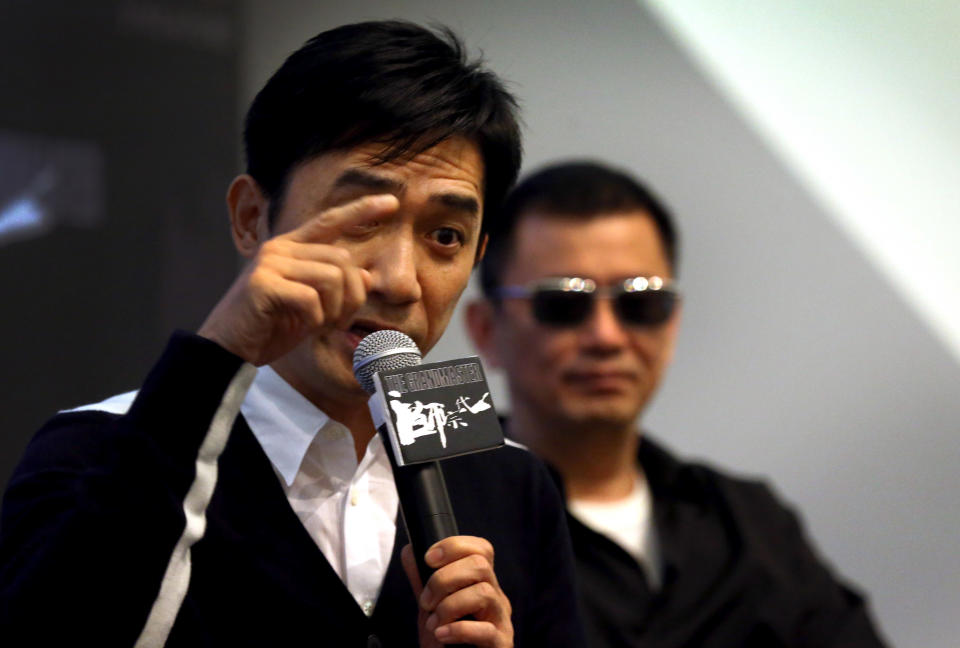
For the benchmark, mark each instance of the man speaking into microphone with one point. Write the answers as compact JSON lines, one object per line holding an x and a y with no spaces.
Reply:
{"x":241,"y":496}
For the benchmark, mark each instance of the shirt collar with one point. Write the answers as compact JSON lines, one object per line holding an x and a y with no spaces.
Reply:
{"x":284,"y":421}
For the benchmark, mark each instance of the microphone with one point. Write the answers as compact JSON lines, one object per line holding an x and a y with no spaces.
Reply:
{"x":424,"y":413}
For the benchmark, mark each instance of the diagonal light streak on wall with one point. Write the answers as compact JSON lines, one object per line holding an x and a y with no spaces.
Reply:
{"x":862,"y":101}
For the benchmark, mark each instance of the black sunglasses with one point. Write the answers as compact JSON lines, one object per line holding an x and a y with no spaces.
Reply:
{"x":568,"y":301}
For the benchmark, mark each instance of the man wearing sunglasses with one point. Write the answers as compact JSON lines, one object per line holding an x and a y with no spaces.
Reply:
{"x":581,"y":311}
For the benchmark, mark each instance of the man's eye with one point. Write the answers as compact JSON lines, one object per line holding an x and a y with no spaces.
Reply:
{"x":447,"y":236}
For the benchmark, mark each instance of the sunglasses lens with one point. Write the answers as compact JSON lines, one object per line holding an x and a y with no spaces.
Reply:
{"x":561,"y":308}
{"x":646,"y":308}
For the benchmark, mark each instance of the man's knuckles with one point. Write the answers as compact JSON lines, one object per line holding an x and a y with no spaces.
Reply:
{"x":458,"y":547}
{"x":481,"y":564}
{"x":340,"y":256}
{"x":459,"y":574}
{"x":262,"y":281}
{"x":475,"y":633}
{"x":477,"y":548}
{"x":480,"y":600}
{"x":271,"y":249}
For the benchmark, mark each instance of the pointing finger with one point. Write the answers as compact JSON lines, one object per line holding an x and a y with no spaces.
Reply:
{"x":326,"y":226}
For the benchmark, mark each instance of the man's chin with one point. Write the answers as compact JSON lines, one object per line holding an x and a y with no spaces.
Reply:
{"x":332,"y":369}
{"x":602,"y":414}
{"x":346,"y":382}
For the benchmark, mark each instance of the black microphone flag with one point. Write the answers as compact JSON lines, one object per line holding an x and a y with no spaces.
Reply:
{"x":437,"y":410}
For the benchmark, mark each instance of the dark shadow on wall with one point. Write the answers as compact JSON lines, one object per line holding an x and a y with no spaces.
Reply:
{"x":118,"y":136}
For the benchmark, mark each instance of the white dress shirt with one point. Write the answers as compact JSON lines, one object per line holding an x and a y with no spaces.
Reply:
{"x":348,"y":508}
{"x":629,"y":523}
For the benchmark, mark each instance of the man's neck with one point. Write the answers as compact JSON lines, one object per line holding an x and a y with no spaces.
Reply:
{"x":360,"y":424}
{"x":351,"y":410}
{"x":597,"y":462}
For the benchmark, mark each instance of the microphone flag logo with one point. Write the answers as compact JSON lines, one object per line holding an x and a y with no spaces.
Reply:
{"x":438,"y":410}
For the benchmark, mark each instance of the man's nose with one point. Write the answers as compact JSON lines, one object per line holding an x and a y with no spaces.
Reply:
{"x":603,"y":329}
{"x":393,"y":268}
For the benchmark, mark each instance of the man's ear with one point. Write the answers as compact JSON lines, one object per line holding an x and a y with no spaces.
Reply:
{"x":481,"y":249}
{"x":249,"y":215}
{"x":481,"y":320}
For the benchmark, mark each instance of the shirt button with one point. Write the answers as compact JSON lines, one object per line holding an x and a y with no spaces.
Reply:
{"x":368,"y":607}
{"x":353,"y":498}
{"x":373,"y":641}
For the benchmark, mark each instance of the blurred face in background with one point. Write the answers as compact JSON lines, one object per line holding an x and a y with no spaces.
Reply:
{"x":601,"y":372}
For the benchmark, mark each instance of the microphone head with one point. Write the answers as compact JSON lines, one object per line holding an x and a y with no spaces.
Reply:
{"x":381,"y":351}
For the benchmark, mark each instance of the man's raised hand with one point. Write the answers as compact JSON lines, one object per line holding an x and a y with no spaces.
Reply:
{"x":298,"y":283}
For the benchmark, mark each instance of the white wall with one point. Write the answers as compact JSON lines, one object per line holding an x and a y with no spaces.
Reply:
{"x":798,"y":359}
{"x":864,"y":106}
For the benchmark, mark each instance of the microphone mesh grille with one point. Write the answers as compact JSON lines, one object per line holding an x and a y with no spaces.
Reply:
{"x":379,"y":342}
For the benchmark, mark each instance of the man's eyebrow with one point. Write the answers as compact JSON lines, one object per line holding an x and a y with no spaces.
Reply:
{"x":367,"y":180}
{"x":458,"y":201}
{"x":353,"y":178}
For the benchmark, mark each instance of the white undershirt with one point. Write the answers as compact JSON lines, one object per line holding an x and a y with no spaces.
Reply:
{"x":335,"y":497}
{"x":629,"y":523}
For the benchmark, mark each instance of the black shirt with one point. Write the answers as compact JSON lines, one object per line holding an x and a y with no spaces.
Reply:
{"x":737,"y":571}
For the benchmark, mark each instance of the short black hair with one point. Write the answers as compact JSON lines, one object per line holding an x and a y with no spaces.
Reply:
{"x":575,"y":189}
{"x":391,"y":82}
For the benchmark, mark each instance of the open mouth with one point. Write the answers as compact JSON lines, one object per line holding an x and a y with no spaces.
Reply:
{"x":361,"y":329}
{"x":357,"y":333}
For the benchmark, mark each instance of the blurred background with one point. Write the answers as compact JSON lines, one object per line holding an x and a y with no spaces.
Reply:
{"x":808,"y":149}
